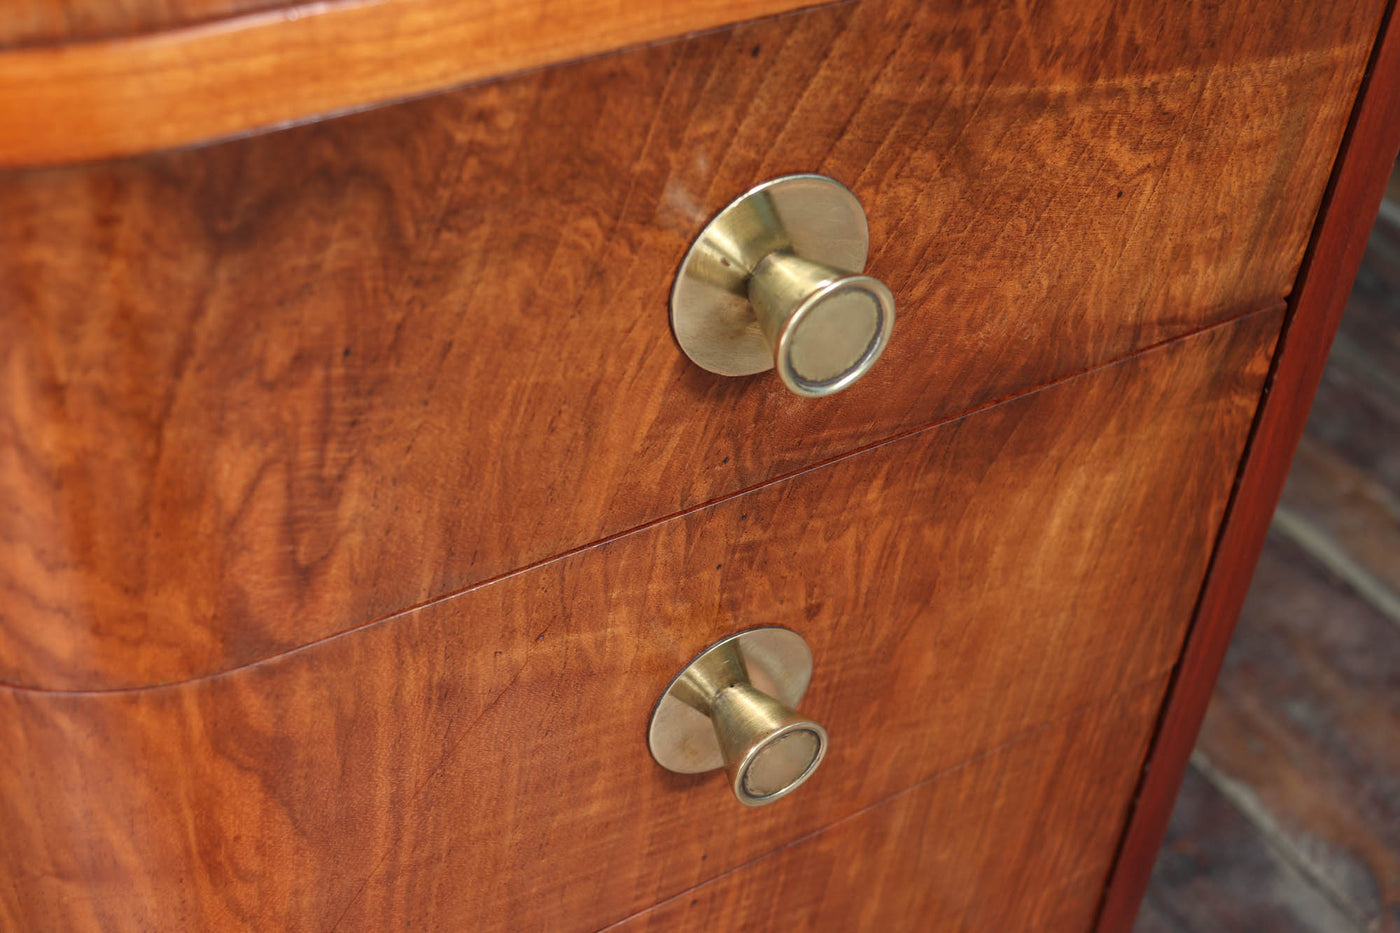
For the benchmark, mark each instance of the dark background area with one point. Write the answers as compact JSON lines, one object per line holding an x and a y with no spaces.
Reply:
{"x":1289,"y":817}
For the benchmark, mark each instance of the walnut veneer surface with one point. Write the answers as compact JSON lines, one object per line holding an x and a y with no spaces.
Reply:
{"x":481,"y":761}
{"x":265,"y":392}
{"x":926,"y":860}
{"x":356,"y":503}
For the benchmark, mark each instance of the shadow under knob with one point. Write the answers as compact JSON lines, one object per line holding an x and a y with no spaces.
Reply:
{"x":732,"y":707}
{"x":776,"y":280}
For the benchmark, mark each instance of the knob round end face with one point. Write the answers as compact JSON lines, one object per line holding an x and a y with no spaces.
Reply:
{"x":780,"y":764}
{"x":769,"y":748}
{"x":809,"y":216}
{"x":835,"y":336}
{"x":738,"y":714}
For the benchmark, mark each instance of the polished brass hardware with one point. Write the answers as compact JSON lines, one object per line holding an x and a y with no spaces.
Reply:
{"x":732,"y":707}
{"x":775,"y":281}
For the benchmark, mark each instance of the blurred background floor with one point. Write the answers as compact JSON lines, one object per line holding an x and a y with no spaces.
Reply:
{"x":1289,"y":818}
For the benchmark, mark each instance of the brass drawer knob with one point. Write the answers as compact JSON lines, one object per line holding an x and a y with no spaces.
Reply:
{"x":732,"y":707}
{"x":775,"y":281}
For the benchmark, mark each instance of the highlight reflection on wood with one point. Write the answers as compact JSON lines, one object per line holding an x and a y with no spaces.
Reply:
{"x":89,"y":99}
{"x":960,"y":587}
{"x":264,"y":392}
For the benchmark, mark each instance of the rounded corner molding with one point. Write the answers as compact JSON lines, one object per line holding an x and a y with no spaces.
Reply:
{"x":190,"y":81}
{"x":733,"y":708}
{"x":776,"y":281}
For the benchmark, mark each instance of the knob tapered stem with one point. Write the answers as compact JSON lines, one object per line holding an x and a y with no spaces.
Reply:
{"x":776,"y":280}
{"x":714,"y":715}
{"x":769,"y":749}
{"x":826,"y":326}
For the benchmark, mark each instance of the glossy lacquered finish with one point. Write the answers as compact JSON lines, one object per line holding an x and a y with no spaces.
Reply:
{"x":356,"y":503}
{"x":480,"y":761}
{"x":91,"y":79}
{"x":267,"y":392}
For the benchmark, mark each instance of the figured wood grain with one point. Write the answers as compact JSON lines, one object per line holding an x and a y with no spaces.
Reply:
{"x":1019,"y":839}
{"x":1354,"y":195}
{"x":481,"y":762}
{"x":84,"y":100}
{"x":269,"y":391}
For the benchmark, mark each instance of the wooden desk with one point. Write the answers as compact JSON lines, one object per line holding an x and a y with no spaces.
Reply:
{"x":356,"y":502}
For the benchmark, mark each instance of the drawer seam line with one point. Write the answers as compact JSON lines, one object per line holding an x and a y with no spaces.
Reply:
{"x":1016,"y":739}
{"x":1271,"y":307}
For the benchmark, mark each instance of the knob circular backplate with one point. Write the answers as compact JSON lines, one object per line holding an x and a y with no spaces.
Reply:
{"x":779,"y":664}
{"x":811,"y":217}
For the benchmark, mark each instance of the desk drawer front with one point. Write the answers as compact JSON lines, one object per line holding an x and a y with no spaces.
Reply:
{"x":271,"y":390}
{"x":482,"y":761}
